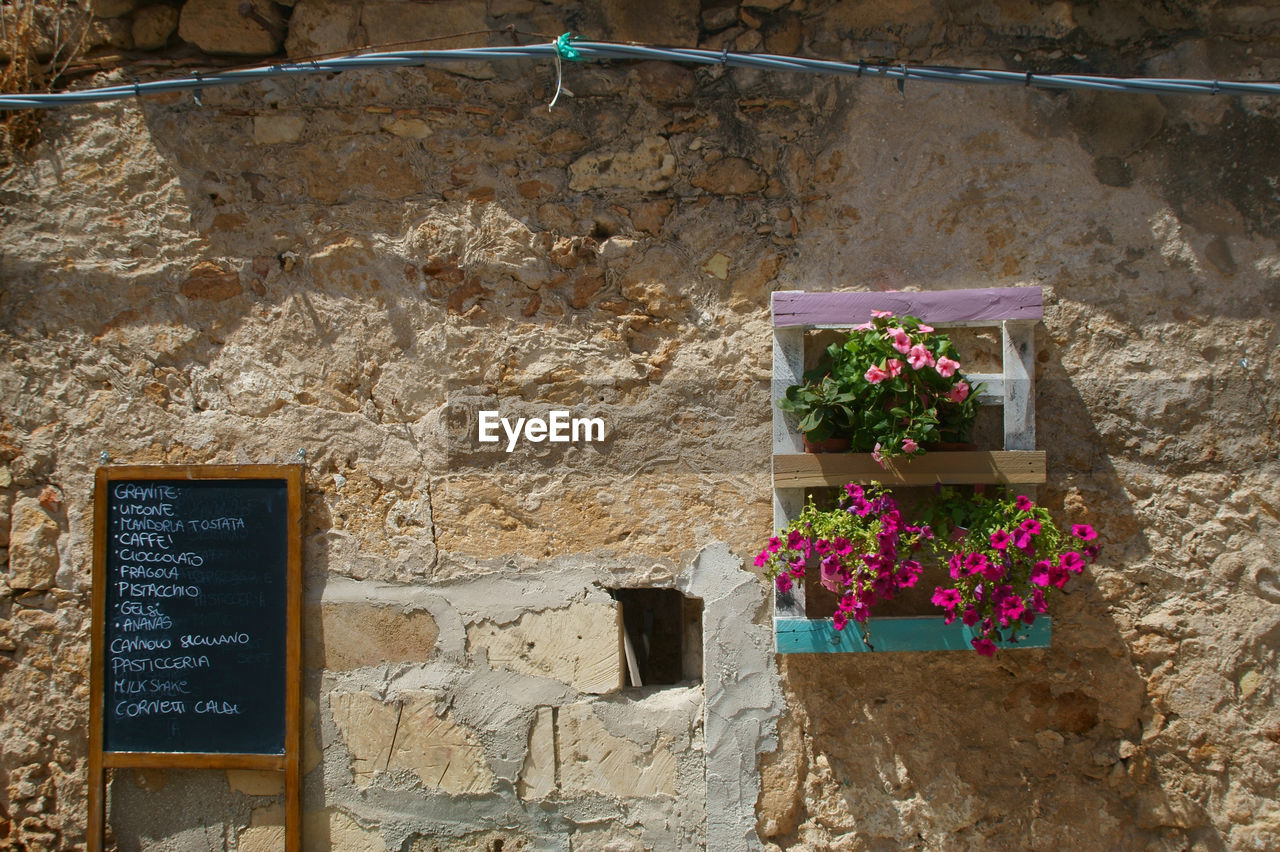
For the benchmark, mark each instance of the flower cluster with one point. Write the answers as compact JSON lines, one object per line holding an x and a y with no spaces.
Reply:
{"x":864,"y":550}
{"x":1006,"y":558}
{"x":903,"y":383}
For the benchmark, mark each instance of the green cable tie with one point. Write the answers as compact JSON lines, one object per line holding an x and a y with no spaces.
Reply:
{"x":567,"y":51}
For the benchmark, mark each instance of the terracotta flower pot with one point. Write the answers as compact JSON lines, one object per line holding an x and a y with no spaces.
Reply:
{"x":830,"y":445}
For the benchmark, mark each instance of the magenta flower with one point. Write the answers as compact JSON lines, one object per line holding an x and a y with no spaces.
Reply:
{"x":1000,"y":539}
{"x":901,"y":340}
{"x":1040,"y":573}
{"x":1091,"y":551}
{"x":875,"y":375}
{"x":908,"y":574}
{"x":1023,"y":502}
{"x":762,"y":558}
{"x":839,"y":620}
{"x":830,"y":566}
{"x":975,"y":562}
{"x":946,"y":367}
{"x":919,"y":357}
{"x":1030,"y":525}
{"x":956,"y":564}
{"x":948,"y":599}
{"x":993,"y":570}
{"x":970,"y":616}
{"x":909,"y":446}
{"x":959,"y":393}
{"x":783,"y":582}
{"x":1073,"y":562}
{"x":1084,"y":532}
{"x":797,"y":568}
{"x":854,"y":490}
{"x":985,"y":647}
{"x":842,"y":546}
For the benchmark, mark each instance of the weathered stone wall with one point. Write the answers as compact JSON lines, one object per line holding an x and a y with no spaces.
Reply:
{"x":355,"y":264}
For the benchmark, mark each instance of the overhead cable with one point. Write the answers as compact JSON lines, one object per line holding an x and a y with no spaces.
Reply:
{"x":599,"y":50}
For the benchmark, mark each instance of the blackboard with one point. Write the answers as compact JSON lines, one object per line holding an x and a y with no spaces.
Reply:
{"x":195,"y":616}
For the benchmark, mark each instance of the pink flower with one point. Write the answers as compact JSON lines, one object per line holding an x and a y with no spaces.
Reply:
{"x":909,"y":446}
{"x":925,"y":329}
{"x":985,"y":647}
{"x":882,"y":313}
{"x":948,"y":599}
{"x":875,"y":375}
{"x":959,"y":393}
{"x":783,"y":582}
{"x":993,"y":570}
{"x":1000,"y":539}
{"x":1084,"y":532}
{"x":866,"y":326}
{"x":830,"y":569}
{"x":875,"y":454}
{"x":895,"y":367}
{"x":901,"y":340}
{"x":918,"y":357}
{"x":1023,"y":502}
{"x":946,"y":367}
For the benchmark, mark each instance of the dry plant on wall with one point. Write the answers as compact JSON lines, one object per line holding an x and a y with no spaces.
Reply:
{"x":38,"y":41}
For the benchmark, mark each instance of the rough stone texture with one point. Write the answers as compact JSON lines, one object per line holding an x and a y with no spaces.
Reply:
{"x":216,"y":26}
{"x":409,"y":736}
{"x":592,"y":758}
{"x":579,"y":645}
{"x":179,"y":289}
{"x":649,"y":167}
{"x":33,"y":546}
{"x":318,"y":27}
{"x":152,"y":26}
{"x":344,"y":636}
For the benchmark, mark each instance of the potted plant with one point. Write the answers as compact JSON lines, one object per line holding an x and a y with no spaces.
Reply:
{"x":900,"y":382}
{"x":1006,"y":558}
{"x":863,"y":547}
{"x":824,"y":410}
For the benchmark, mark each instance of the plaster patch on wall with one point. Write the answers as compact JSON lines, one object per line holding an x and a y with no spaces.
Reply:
{"x":743,"y":698}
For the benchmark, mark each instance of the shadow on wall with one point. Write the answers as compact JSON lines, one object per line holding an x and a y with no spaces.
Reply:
{"x":956,"y":751}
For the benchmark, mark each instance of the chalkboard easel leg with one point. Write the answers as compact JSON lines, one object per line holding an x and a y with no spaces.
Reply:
{"x":96,"y":831}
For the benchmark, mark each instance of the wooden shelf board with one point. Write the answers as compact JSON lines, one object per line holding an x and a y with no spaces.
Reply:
{"x":814,"y":470}
{"x":915,"y":633}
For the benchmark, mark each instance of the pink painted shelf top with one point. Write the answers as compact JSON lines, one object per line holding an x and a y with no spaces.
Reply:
{"x":987,"y":304}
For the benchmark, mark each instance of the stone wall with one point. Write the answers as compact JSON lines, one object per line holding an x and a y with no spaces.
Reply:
{"x":354,"y":265}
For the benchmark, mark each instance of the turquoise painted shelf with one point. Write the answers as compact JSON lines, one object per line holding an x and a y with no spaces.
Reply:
{"x":917,"y":633}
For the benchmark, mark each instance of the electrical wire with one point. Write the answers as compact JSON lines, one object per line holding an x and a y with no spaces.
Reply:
{"x":599,"y":50}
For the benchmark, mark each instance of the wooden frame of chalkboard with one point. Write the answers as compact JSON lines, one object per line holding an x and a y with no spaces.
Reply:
{"x":197,"y":610}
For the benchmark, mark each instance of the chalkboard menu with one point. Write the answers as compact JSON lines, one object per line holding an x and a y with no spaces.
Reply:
{"x":195,"y":611}
{"x":196,"y":624}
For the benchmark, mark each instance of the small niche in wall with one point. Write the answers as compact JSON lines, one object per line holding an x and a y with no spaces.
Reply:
{"x":662,"y":636}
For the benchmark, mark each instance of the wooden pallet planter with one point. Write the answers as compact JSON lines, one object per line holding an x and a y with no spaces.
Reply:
{"x":1015,"y":310}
